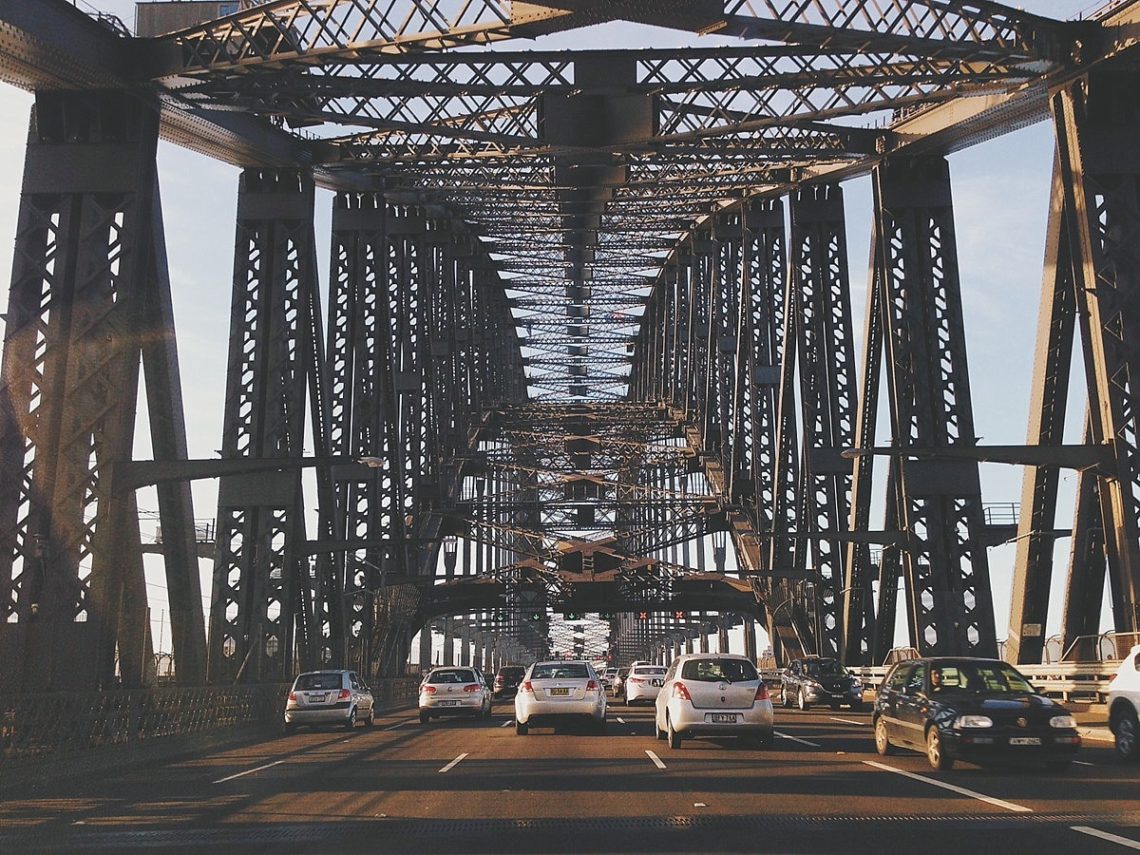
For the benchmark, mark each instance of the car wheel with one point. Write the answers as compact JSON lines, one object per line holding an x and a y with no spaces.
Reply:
{"x":936,"y":754}
{"x":350,"y":722}
{"x":521,"y":728}
{"x":785,"y":697}
{"x":600,"y":727}
{"x":290,"y":727}
{"x":660,"y":733}
{"x":1128,"y":737}
{"x":802,"y":701}
{"x":882,"y":741}
{"x":487,"y":711}
{"x":371,"y":720}
{"x":674,"y":736}
{"x":424,"y":717}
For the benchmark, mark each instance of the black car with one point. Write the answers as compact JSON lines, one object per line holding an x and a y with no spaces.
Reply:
{"x":819,"y":680}
{"x":980,"y":710}
{"x":507,"y":680}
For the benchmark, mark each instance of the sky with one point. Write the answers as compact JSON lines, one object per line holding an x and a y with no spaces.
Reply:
{"x":1001,"y":191}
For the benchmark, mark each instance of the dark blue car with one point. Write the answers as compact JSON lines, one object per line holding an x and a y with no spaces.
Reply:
{"x":980,"y":710}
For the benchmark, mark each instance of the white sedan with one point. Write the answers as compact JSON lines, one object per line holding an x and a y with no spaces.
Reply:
{"x":643,"y":683}
{"x":714,"y":694}
{"x":551,"y":692}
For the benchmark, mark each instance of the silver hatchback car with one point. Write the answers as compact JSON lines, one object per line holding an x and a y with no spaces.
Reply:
{"x":329,"y":697}
{"x":714,"y":694}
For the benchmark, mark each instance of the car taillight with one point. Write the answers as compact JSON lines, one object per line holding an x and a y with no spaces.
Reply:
{"x":637,"y":680}
{"x":527,"y":687}
{"x":344,"y":695}
{"x":428,"y":690}
{"x":592,"y":686}
{"x":761,"y":693}
{"x":681,"y":691}
{"x":292,"y":696}
{"x":498,"y":681}
{"x":474,"y":687}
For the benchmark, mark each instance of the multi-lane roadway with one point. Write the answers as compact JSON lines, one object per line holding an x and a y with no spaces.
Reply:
{"x":479,"y":787}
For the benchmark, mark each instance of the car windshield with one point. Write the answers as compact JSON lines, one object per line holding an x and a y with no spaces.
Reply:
{"x":511,"y":672}
{"x":990,"y":678}
{"x":460,"y":676}
{"x":650,"y":671}
{"x":715,"y":670}
{"x":560,"y":671}
{"x":825,"y":668}
{"x":324,"y":680}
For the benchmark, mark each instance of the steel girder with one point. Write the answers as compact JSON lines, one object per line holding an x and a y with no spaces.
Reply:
{"x":938,"y":502}
{"x":262,"y":613}
{"x":90,"y":300}
{"x":1100,"y":175}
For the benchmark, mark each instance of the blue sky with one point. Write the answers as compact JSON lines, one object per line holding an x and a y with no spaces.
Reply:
{"x":1001,"y":193}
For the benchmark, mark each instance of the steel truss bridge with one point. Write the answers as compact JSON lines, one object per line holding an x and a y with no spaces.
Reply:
{"x":588,"y":312}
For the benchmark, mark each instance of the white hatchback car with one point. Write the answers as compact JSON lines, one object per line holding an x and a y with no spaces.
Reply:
{"x":1124,"y":706}
{"x":454,"y":691}
{"x":328,"y":697}
{"x":714,"y":694}
{"x":643,"y":683}
{"x":554,"y":691}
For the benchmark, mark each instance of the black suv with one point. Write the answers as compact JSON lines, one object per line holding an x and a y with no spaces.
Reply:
{"x":507,"y":680}
{"x":816,"y":680}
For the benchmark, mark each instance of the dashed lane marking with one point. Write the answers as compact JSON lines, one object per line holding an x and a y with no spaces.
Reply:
{"x":249,"y":771}
{"x":848,"y":721}
{"x":656,"y":760}
{"x":621,"y":720}
{"x":507,"y":723}
{"x":954,"y":789}
{"x":454,"y":763}
{"x":1104,"y":835}
{"x":797,"y":739}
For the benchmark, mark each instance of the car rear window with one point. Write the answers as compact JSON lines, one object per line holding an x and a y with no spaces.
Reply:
{"x":512,"y":672}
{"x":452,"y":677}
{"x":324,"y":680}
{"x":564,"y":671}
{"x":715,"y":670}
{"x":653,"y":670}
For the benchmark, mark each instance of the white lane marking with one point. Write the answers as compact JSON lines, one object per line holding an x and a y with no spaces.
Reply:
{"x":454,"y":763}
{"x":507,"y":723}
{"x":1104,"y":835}
{"x":249,"y":771}
{"x":396,"y":725}
{"x":797,"y":739}
{"x":848,"y":721}
{"x":621,"y":720}
{"x":1083,"y":763}
{"x":960,"y":790}
{"x":656,"y":760}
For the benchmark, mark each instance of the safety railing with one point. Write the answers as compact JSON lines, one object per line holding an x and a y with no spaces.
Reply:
{"x":61,"y":724}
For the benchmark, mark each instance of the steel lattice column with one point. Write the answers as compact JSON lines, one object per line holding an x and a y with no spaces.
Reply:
{"x":828,"y":396}
{"x":1033,"y":567}
{"x":1096,"y":123}
{"x":89,"y":296}
{"x":262,"y":590}
{"x":939,"y":502}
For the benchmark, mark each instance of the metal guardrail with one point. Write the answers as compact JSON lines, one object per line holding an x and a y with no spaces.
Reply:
{"x":50,"y":726}
{"x":1086,"y":681}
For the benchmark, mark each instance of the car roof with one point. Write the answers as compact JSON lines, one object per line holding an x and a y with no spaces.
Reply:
{"x":687,"y":656}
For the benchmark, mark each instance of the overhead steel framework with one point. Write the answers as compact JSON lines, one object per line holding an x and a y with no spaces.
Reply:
{"x":588,"y":326}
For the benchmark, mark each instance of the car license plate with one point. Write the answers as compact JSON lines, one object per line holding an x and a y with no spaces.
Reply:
{"x":560,"y":691}
{"x":723,"y":718}
{"x":447,"y":703}
{"x":1024,"y":740}
{"x":317,"y":699}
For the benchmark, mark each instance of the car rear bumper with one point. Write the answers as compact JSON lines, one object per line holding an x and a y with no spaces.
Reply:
{"x":331,"y":714}
{"x":452,"y":706}
{"x":552,"y":710}
{"x":641,"y":694}
{"x":823,"y":696}
{"x":688,"y":719}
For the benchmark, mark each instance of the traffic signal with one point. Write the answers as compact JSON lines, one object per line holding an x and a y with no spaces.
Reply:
{"x":643,"y":615}
{"x":573,"y":616}
{"x":679,"y":615}
{"x":536,"y":616}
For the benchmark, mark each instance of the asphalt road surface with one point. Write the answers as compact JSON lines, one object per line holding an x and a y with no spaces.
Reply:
{"x":476,"y":786}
